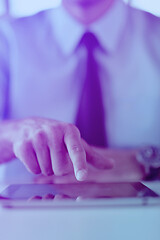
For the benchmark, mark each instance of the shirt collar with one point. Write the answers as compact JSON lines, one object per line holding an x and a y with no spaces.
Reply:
{"x":107,"y":29}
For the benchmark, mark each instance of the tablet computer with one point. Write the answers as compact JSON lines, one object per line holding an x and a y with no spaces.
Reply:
{"x":78,"y":195}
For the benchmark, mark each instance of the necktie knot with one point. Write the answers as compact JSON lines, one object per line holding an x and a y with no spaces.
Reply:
{"x":90,"y":41}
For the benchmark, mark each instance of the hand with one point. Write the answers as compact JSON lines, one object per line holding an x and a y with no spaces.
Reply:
{"x":125,"y":167}
{"x":48,"y":147}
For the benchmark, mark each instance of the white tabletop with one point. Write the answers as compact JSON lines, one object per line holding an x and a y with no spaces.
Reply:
{"x":110,"y":223}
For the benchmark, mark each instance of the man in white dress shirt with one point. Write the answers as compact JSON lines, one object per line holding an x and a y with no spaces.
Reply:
{"x":42,"y":68}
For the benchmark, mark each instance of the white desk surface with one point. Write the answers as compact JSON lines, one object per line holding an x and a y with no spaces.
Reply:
{"x":110,"y":223}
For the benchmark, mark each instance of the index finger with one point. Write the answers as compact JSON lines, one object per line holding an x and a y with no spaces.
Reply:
{"x":76,"y":152}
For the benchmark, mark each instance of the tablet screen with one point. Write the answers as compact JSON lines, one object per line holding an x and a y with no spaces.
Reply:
{"x":74,"y":191}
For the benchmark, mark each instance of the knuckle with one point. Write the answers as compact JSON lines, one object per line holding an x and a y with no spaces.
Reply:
{"x":55,"y":141}
{"x":22,"y":148}
{"x":26,"y":146}
{"x":55,"y":133}
{"x":72,"y":129}
{"x":39,"y":137}
{"x":76,"y":149}
{"x":56,"y":129}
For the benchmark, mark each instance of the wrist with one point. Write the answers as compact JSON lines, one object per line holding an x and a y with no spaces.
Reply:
{"x":149,"y":158}
{"x":7,"y":132}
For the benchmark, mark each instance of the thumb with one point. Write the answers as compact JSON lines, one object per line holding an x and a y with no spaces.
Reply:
{"x":97,"y":156}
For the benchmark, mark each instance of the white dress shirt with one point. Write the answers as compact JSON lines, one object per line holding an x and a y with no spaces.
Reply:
{"x":39,"y":73}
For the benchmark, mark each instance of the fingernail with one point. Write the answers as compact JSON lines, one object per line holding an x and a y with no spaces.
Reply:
{"x":81,"y":175}
{"x":109,"y":163}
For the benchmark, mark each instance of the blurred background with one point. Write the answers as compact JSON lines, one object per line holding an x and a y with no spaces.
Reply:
{"x":18,"y":8}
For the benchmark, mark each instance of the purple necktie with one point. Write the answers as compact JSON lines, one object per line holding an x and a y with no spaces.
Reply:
{"x":90,"y":117}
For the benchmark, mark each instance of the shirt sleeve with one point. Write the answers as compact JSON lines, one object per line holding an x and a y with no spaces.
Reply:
{"x":4,"y":71}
